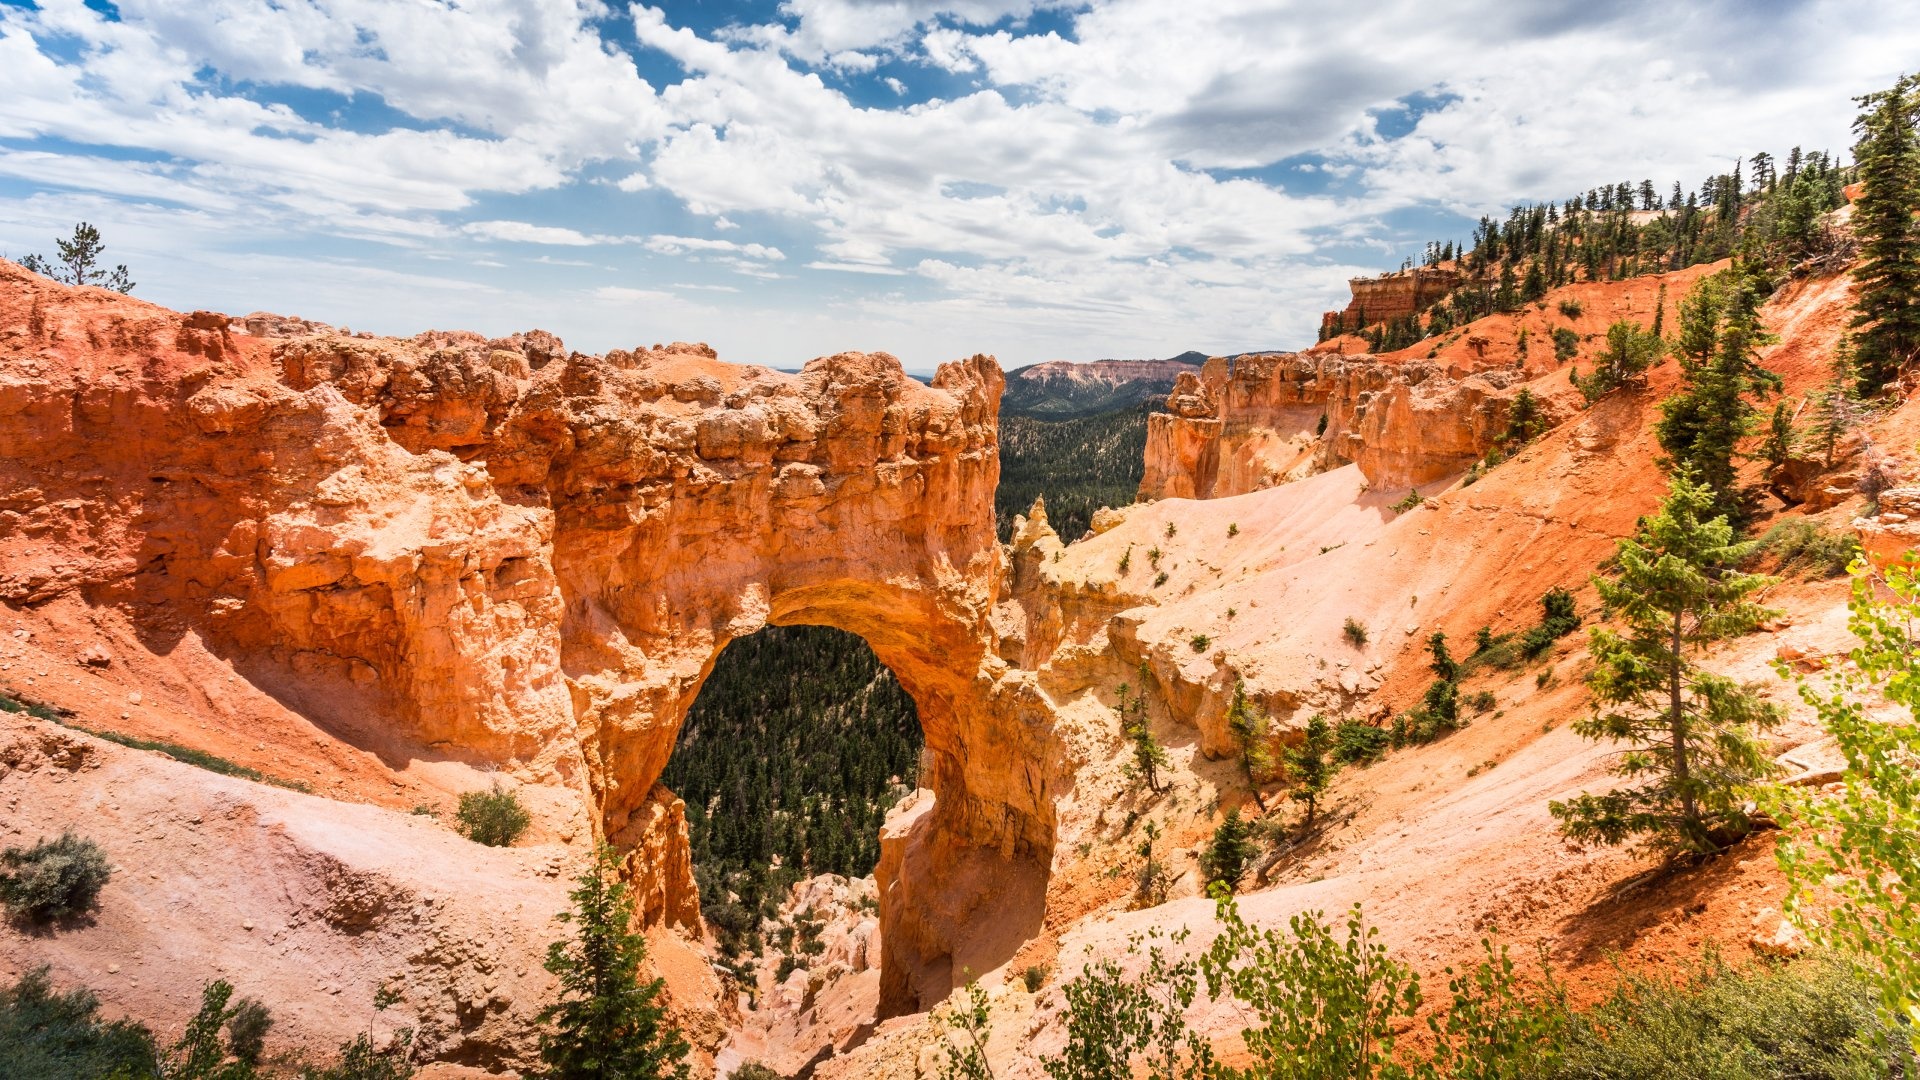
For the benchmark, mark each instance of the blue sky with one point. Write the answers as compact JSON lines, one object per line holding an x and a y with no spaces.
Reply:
{"x":933,"y":178}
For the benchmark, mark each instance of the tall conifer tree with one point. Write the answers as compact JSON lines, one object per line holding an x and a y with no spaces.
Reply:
{"x":1887,"y":307}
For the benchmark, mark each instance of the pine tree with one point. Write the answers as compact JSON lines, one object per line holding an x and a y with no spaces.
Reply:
{"x":1689,"y":733}
{"x":1720,"y":338}
{"x":1524,"y":420}
{"x":1630,"y":352}
{"x":1149,"y":757}
{"x":1155,"y":878}
{"x":607,"y":1025}
{"x":1311,"y":766}
{"x":79,"y":262}
{"x":1249,"y":729}
{"x":1443,"y":665}
{"x":1837,"y":408}
{"x":1231,"y":851}
{"x":1778,"y":446}
{"x":1887,"y":304}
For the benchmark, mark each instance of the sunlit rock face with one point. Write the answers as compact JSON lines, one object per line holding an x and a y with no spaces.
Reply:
{"x":506,"y":553}
{"x":1259,"y":421}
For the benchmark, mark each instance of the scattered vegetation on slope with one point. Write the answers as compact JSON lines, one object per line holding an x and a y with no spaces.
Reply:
{"x":1325,"y":1000}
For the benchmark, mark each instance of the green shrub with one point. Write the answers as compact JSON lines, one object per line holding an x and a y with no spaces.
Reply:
{"x":52,"y":879}
{"x":1113,"y":1019}
{"x":494,"y":818}
{"x":1319,"y":1003}
{"x":1491,"y":650}
{"x":1412,"y":500}
{"x":1200,"y":643}
{"x":1482,"y":702}
{"x":1813,"y":1018}
{"x":1355,"y":632}
{"x":753,"y":1070}
{"x":1566,"y":344}
{"x":32,"y":708}
{"x":50,"y":1036}
{"x":1502,"y":655}
{"x":1034,"y":977}
{"x":1799,"y":544}
{"x":1355,"y":743}
{"x":247,"y":1028}
{"x":1231,"y":852}
{"x":1317,"y":1006}
{"x":1437,"y":714}
{"x":360,"y":1060}
{"x":201,"y":1054}
{"x":1571,"y":309}
{"x":1631,"y":350}
{"x":1558,"y":619}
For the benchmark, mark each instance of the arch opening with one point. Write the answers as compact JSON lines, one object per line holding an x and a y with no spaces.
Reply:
{"x":798,"y":744}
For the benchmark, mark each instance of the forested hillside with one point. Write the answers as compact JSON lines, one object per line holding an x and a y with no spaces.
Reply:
{"x":1079,"y":464}
{"x":1058,"y":390}
{"x":799,"y":743}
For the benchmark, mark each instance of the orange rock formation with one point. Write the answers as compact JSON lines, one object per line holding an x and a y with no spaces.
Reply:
{"x":1265,"y":420}
{"x":518,"y":556}
{"x":1389,"y":296}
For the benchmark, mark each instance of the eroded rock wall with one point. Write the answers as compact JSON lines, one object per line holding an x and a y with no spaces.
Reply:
{"x":1389,"y":296}
{"x":1264,"y":420}
{"x":508,"y":553}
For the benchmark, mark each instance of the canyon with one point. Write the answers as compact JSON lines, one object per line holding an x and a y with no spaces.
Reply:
{"x":395,"y":570}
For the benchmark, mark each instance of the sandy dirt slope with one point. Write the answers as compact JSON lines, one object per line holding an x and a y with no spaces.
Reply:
{"x":1449,"y":842}
{"x":306,"y":903}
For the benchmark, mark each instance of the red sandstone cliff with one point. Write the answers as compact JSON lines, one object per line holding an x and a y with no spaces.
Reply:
{"x":1389,"y":296}
{"x":511,"y":555}
{"x":1265,"y":420}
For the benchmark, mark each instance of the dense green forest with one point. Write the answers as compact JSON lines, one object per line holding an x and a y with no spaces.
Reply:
{"x":1079,"y":464}
{"x":799,"y":743}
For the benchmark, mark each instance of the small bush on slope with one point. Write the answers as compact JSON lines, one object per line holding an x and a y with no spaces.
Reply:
{"x":1231,"y":851}
{"x":1355,"y":743}
{"x":1799,"y":544}
{"x":1813,"y":1019}
{"x":52,"y":879}
{"x":1558,"y":619}
{"x":494,"y":818}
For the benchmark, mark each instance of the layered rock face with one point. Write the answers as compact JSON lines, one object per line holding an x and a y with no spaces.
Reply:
{"x":1389,"y":296}
{"x":1268,"y":419}
{"x":506,"y":553}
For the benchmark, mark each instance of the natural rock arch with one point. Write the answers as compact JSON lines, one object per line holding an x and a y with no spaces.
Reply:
{"x":883,"y":529}
{"x":498,"y":551}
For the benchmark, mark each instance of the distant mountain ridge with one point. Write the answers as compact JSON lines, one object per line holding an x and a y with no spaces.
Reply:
{"x":1058,"y":389}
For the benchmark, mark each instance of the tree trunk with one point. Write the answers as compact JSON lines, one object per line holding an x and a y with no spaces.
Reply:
{"x":1676,"y":722}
